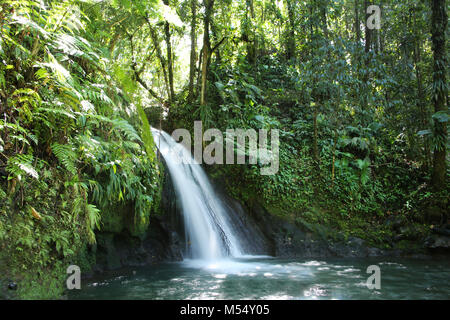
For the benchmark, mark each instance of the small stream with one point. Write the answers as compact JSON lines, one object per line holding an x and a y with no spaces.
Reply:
{"x":271,"y":278}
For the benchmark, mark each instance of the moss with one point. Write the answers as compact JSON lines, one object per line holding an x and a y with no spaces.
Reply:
{"x":45,"y":286}
{"x":113,"y":218}
{"x":86,"y":258}
{"x":409,"y":246}
{"x":35,"y":252}
{"x":108,"y":257}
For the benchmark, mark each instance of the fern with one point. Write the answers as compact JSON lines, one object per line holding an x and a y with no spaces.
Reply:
{"x":92,"y":220}
{"x":147,"y":134}
{"x":22,"y":134}
{"x":91,"y":214}
{"x":58,"y":112}
{"x":126,"y":128}
{"x":121,"y":125}
{"x":66,"y":155}
{"x":21,"y":164}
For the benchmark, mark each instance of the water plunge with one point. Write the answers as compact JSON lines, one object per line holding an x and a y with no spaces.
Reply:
{"x":209,"y":229}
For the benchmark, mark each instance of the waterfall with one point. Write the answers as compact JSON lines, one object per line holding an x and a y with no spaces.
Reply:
{"x":209,"y":230}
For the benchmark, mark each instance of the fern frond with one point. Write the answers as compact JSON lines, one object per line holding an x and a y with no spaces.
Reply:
{"x":22,"y":164}
{"x":147,"y":134}
{"x":93,"y":215}
{"x":92,"y":221}
{"x":66,"y":155}
{"x":126,"y":128}
{"x":58,"y":112}
{"x":120,"y":124}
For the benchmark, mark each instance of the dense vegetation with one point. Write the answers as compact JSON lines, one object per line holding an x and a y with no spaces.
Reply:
{"x":362,"y":115}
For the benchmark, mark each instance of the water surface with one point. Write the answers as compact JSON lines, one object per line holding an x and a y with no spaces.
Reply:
{"x":271,"y":278}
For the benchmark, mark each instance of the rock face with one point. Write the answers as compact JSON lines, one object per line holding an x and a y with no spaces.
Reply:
{"x":260,"y":232}
{"x":251,"y":234}
{"x":119,"y":245}
{"x":296,"y":241}
{"x":439,"y":241}
{"x":117,"y":250}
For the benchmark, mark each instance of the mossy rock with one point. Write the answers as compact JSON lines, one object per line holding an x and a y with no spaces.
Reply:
{"x":408,"y":245}
{"x":120,"y":217}
{"x":6,"y":293}
{"x":434,"y":215}
{"x":107,"y":255}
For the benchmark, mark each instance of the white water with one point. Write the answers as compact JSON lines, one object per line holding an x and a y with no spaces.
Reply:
{"x":209,"y":233}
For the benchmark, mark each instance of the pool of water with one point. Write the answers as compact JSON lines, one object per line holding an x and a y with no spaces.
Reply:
{"x":272,"y":278}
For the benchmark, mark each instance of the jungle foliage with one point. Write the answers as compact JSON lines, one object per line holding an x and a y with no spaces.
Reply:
{"x":362,"y":114}
{"x":71,"y":142}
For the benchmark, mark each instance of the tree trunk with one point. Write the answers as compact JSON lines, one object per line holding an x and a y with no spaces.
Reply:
{"x":199,"y":74}
{"x":251,"y":44}
{"x":368,"y":34}
{"x":333,"y":166}
{"x":290,"y":52}
{"x":357,"y":22}
{"x":439,"y":93}
{"x":420,"y":95}
{"x":169,"y":56}
{"x":137,"y":73}
{"x":316,"y":136}
{"x":323,"y":13}
{"x":206,"y":48}
{"x":193,"y":49}
{"x":160,"y":56}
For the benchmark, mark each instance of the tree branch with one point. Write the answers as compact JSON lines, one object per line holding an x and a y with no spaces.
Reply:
{"x":137,"y":73}
{"x":218,"y":44}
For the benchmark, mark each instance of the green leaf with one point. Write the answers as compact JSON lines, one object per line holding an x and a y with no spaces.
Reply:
{"x":441,"y":116}
{"x":424,"y":132}
{"x":66,"y":155}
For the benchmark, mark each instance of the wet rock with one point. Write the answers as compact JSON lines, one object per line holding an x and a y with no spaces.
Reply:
{"x":395,"y":222}
{"x":107,"y":257}
{"x":353,"y":247}
{"x":119,"y":244}
{"x":434,"y":215}
{"x":12,"y":286}
{"x":375,"y":252}
{"x":5,"y":292}
{"x":408,"y":232}
{"x":444,"y":231}
{"x":302,"y":240}
{"x":117,"y":250}
{"x":438,"y":242}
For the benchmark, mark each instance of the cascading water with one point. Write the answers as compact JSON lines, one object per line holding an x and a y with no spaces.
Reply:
{"x":208,"y":226}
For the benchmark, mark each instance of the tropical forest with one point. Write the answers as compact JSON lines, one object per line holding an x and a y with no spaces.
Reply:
{"x":339,"y":168}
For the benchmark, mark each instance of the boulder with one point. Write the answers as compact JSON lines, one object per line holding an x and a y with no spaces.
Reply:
{"x":439,"y":243}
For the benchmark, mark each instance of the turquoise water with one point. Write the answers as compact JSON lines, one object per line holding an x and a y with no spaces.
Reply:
{"x":271,"y":278}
